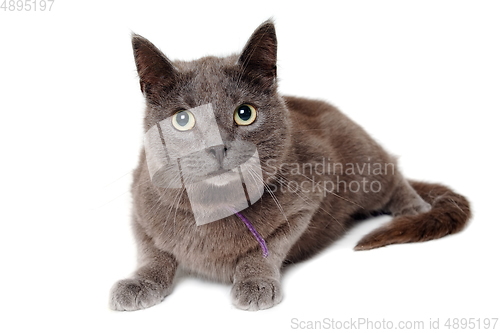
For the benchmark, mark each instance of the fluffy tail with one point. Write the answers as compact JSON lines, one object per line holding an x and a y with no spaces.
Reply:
{"x":449,"y":214}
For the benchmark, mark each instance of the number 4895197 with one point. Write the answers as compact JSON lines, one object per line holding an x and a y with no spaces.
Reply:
{"x":27,"y":5}
{"x":471,"y":323}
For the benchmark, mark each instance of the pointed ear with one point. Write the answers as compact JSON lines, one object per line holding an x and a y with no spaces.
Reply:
{"x":259,"y":55}
{"x":154,"y":69}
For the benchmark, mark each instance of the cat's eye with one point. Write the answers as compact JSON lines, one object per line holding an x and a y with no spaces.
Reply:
{"x":183,"y":120}
{"x":245,"y":114}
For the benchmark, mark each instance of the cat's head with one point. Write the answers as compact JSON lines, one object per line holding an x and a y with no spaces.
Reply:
{"x":241,"y":92}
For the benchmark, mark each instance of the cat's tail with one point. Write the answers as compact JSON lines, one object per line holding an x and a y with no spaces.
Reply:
{"x":449,"y":214}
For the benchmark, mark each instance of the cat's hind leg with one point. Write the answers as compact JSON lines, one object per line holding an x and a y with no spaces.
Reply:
{"x":422,"y":212}
{"x":151,"y":282}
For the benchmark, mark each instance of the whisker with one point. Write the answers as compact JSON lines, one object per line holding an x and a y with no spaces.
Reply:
{"x":114,"y":181}
{"x":273,"y":196}
{"x":337,"y":195}
{"x":283,"y":180}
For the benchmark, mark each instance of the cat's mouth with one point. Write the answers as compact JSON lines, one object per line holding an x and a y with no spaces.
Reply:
{"x":220,"y":171}
{"x":220,"y":177}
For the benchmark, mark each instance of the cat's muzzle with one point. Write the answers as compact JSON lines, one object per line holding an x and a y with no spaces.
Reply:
{"x":185,"y":159}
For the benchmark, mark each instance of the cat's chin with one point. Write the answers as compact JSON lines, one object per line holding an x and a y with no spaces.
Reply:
{"x":213,"y":196}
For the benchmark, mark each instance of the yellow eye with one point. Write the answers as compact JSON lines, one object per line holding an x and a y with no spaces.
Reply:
{"x":245,"y":114}
{"x":183,"y":120}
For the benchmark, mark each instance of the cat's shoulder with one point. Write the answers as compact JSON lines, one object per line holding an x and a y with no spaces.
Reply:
{"x":313,"y":110}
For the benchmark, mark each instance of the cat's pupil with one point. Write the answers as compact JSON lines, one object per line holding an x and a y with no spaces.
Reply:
{"x":182,"y":118}
{"x":244,"y":112}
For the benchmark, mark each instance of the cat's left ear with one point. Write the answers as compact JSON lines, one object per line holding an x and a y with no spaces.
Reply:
{"x":155,"y":70}
{"x":260,"y":53}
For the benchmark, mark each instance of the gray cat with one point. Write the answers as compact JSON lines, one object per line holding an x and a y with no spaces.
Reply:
{"x":203,"y":210}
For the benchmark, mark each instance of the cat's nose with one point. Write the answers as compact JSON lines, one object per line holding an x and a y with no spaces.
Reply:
{"x":218,"y":152}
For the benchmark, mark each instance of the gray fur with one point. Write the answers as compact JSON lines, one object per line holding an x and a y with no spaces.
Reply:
{"x":288,"y":130}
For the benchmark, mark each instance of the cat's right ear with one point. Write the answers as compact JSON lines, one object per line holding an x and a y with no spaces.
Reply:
{"x":156,"y":72}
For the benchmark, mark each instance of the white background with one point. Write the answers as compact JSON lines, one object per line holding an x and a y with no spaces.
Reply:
{"x":422,"y":77}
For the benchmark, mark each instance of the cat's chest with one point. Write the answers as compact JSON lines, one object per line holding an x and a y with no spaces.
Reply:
{"x":212,"y":249}
{"x":227,"y":237}
{"x":215,"y":247}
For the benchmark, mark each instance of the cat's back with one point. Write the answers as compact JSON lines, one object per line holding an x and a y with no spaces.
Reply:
{"x":308,"y":107}
{"x":320,"y":128}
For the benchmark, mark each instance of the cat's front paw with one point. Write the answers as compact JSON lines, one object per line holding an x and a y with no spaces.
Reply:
{"x":256,"y":294}
{"x":135,"y":294}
